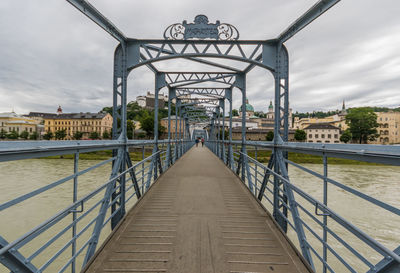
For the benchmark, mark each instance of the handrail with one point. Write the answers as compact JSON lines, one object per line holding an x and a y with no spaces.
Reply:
{"x":263,"y":174}
{"x":135,"y":172}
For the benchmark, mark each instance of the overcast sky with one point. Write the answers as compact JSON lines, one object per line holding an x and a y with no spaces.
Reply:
{"x":51,"y":54}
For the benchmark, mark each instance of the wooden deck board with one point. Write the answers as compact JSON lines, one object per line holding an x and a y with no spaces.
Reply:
{"x":197,"y":218}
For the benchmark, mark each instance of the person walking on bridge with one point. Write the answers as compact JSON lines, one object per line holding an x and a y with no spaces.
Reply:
{"x":202,"y":142}
{"x":197,"y":142}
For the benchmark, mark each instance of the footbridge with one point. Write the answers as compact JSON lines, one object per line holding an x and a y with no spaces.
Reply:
{"x":168,"y":206}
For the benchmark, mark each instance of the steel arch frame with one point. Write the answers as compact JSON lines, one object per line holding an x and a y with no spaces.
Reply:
{"x":132,"y":53}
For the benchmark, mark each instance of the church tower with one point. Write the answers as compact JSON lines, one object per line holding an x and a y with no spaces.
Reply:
{"x":59,"y":110}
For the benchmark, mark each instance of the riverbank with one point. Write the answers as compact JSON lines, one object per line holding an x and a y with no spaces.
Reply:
{"x":262,"y":156}
{"x":100,"y":155}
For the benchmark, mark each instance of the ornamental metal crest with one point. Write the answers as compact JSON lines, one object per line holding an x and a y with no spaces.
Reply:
{"x":201,"y":29}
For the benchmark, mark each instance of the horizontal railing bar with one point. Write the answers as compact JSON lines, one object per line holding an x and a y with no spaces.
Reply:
{"x":319,"y":257}
{"x":328,"y":246}
{"x":62,"y":249}
{"x":52,"y":240}
{"x":343,"y":222}
{"x":348,"y":189}
{"x":73,"y":257}
{"x":111,"y":216}
{"x":17,"y":150}
{"x":385,"y":154}
{"x":287,"y":220}
{"x":67,"y":210}
{"x":340,"y":240}
{"x":347,"y":225}
{"x":50,"y":186}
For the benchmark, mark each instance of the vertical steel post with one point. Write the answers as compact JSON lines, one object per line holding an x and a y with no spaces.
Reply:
{"x":243,"y":89}
{"x":212,"y":133}
{"x":120,"y":120}
{"x":218,"y":132}
{"x":278,"y":185}
{"x":177,"y":105}
{"x":223,"y":155}
{"x":143,"y":152}
{"x":155,"y":148}
{"x":170,"y":95}
{"x":180,"y":132}
{"x":74,"y":199}
{"x":228,"y":93}
{"x":159,"y":83}
{"x":325,"y":233}
{"x":255,"y":171}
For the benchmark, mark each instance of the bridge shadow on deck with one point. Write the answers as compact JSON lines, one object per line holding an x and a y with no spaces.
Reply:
{"x":198,"y":217}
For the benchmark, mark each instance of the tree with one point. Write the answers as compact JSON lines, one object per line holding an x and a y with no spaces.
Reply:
{"x":141,"y":135}
{"x":300,"y":135}
{"x":48,"y":135}
{"x":12,"y":135}
{"x":3,"y":134}
{"x":130,"y":128}
{"x":78,"y":135}
{"x":34,"y":136}
{"x":94,"y":135}
{"x":362,"y":123}
{"x":235,"y":113}
{"x":269,"y":136}
{"x":147,"y":124}
{"x":346,"y":136}
{"x":60,"y":134}
{"x":226,"y":134}
{"x":106,"y":135}
{"x":24,"y":135}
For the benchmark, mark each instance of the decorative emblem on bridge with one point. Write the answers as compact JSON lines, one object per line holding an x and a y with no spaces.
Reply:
{"x":201,"y":29}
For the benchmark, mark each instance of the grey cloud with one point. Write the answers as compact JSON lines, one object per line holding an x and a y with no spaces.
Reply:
{"x":50,"y":53}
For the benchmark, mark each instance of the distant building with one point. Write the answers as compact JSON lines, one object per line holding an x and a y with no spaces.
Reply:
{"x":389,"y":128}
{"x":249,"y":110}
{"x":10,"y":121}
{"x":174,"y":126}
{"x":338,"y":120}
{"x":322,"y":133}
{"x":253,"y":122}
{"x":148,"y":101}
{"x":256,"y":134}
{"x":75,"y":122}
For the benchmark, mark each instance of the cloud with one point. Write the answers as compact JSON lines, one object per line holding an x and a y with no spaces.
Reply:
{"x":51,"y":54}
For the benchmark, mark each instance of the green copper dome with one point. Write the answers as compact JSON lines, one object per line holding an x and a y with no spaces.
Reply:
{"x":249,"y":107}
{"x":270,"y":105}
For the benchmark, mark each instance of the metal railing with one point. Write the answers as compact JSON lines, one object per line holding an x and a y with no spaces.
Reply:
{"x":74,"y":227}
{"x":327,"y":236}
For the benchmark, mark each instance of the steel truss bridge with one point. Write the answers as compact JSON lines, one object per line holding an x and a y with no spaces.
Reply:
{"x":183,"y":209}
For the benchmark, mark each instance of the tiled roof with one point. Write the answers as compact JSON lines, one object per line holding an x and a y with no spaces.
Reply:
{"x":321,"y":126}
{"x":68,"y":115}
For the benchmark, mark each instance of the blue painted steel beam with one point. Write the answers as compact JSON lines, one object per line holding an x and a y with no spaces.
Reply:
{"x":14,"y":260}
{"x":93,"y":14}
{"x":310,"y":15}
{"x":16,"y":150}
{"x":387,"y":265}
{"x":385,"y":154}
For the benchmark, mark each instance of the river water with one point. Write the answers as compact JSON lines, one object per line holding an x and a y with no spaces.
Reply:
{"x":381,"y":182}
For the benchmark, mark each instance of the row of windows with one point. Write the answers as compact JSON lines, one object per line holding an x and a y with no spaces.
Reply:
{"x":78,"y":128}
{"x":323,"y":136}
{"x":10,"y":129}
{"x":326,"y":141}
{"x":386,"y":125}
{"x":76,"y":123}
{"x":322,"y":130}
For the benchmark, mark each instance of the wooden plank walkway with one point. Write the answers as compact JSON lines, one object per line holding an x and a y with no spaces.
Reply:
{"x":197,"y":218}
